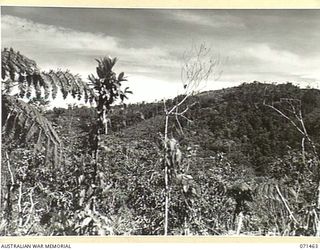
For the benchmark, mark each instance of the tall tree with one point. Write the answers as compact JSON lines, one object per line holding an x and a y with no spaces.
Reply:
{"x":199,"y":64}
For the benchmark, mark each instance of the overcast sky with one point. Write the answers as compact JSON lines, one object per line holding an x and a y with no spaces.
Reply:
{"x":263,"y":45}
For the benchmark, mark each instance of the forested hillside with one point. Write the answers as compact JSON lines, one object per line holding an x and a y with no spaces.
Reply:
{"x":231,"y":137}
{"x":232,"y":121}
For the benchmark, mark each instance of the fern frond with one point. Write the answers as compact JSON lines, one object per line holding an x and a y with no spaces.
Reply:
{"x":49,"y":81}
{"x":23,"y":89}
{"x":23,"y":123}
{"x":67,"y":83}
{"x":15,"y":64}
{"x":46,"y":86}
{"x":268,"y":190}
{"x":74,"y":88}
{"x":64,"y":84}
{"x":26,"y":74}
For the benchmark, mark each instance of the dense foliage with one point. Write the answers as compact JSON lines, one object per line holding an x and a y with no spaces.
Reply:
{"x":237,"y":160}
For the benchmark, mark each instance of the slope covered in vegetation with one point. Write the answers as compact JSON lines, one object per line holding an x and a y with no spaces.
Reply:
{"x":237,"y":155}
{"x":234,"y":121}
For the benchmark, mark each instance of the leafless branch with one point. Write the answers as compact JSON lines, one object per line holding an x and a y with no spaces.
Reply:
{"x":179,"y":124}
{"x":165,"y":107}
{"x":9,"y":168}
{"x":285,"y":116}
{"x":286,"y":205}
{"x":199,"y":64}
{"x":297,"y":112}
{"x":317,"y":222}
{"x":179,"y":104}
{"x":19,"y":204}
{"x":31,"y":207}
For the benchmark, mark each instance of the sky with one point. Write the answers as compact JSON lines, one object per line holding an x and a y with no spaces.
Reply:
{"x":263,"y":45}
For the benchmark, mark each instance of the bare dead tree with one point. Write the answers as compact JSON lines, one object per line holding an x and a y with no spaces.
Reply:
{"x":291,"y":110}
{"x":198,"y":66}
{"x":293,"y":107}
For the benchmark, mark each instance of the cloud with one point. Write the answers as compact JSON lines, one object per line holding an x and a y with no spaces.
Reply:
{"x":308,"y":70}
{"x":260,"y":61}
{"x":150,"y":51}
{"x":204,"y":18}
{"x":57,"y":46}
{"x":19,"y":30}
{"x":265,"y":53}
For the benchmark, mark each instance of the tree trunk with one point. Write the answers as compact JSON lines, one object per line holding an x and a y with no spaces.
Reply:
{"x":240,"y":217}
{"x":317,"y":218}
{"x":166,"y":180}
{"x":0,"y":188}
